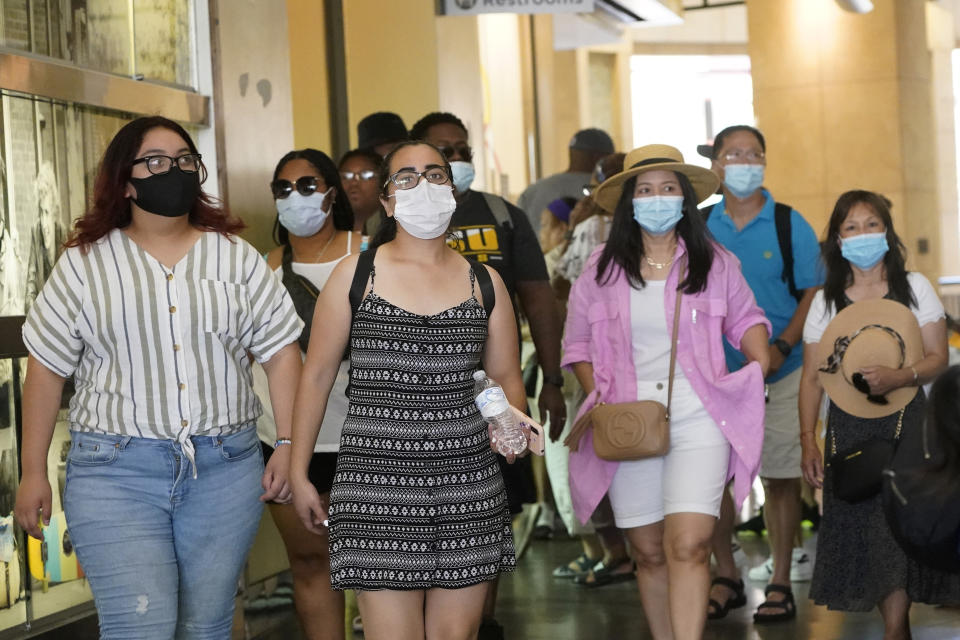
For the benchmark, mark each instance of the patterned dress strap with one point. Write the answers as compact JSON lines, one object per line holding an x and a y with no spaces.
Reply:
{"x":473,"y":282}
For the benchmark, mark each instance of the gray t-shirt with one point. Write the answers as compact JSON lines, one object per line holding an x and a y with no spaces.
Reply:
{"x":537,"y":196}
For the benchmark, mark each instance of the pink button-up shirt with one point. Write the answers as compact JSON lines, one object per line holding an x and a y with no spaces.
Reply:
{"x":598,"y":331}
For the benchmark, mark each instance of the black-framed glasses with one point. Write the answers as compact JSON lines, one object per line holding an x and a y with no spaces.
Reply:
{"x":360,"y":176}
{"x":408,"y":178}
{"x":159,"y":165}
{"x":305,"y":186}
{"x":466,"y":153}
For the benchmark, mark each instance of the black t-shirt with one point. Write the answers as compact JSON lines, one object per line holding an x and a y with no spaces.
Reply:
{"x":514,"y":252}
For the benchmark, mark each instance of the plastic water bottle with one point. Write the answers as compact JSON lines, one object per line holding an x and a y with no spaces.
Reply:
{"x":493,"y":406}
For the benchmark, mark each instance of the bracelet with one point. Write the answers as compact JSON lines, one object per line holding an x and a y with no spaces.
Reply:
{"x":916,"y":377}
{"x":281,"y":441}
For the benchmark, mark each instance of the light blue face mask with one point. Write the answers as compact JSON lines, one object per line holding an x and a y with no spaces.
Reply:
{"x":463,"y":175}
{"x":865,"y":250}
{"x":743,"y":179}
{"x":303,"y":215}
{"x":658,"y":214}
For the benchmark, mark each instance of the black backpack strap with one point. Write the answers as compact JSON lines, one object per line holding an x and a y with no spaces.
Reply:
{"x":781,"y":217}
{"x":360,"y":277}
{"x":486,"y":286}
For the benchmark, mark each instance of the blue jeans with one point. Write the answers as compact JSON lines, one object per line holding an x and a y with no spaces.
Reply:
{"x":163,"y":551}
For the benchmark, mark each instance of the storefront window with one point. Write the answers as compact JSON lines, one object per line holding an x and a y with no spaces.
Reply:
{"x":154,"y":43}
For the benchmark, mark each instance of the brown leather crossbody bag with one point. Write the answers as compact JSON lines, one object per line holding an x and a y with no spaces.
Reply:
{"x":630,"y":430}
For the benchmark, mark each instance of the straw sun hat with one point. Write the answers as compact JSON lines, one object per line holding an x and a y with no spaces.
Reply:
{"x":868,"y":333}
{"x":649,"y":158}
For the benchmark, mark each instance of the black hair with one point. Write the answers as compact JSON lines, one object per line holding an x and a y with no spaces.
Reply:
{"x":367,"y":154}
{"x":624,"y":248}
{"x":387,"y":230}
{"x":840,"y":275}
{"x":341,"y":210}
{"x":419,"y":130}
{"x":943,"y":414}
{"x":720,"y":137}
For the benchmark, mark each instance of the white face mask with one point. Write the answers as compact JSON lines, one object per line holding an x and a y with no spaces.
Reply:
{"x":425,"y":211}
{"x":303,"y":215}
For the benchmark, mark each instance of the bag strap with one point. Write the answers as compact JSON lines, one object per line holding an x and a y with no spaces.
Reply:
{"x":486,"y":286}
{"x":673,"y":342}
{"x":360,"y":277}
{"x":499,"y":210}
{"x":781,"y":218}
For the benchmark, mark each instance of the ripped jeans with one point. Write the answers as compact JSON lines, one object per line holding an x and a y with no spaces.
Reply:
{"x":163,"y":551}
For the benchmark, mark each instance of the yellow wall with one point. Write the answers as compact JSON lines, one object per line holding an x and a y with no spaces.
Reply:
{"x":846,"y":102}
{"x":391,"y":59}
{"x":460,"y":86}
{"x":308,"y":74}
{"x":256,"y":108}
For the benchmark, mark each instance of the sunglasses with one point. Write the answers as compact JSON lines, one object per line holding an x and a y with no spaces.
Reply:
{"x":466,"y":153}
{"x":305,"y":186}
{"x":365,"y":176}
{"x":860,"y":384}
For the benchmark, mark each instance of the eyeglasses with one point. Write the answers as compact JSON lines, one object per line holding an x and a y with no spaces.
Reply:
{"x":365,"y":175}
{"x":305,"y":186}
{"x":159,"y":165}
{"x":408,"y":178}
{"x":466,"y":153}
{"x":748,"y":157}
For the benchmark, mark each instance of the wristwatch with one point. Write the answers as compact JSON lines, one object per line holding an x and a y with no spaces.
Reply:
{"x":783,"y":346}
{"x":556,"y":380}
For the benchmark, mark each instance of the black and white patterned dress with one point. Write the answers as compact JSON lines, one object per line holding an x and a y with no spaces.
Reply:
{"x":418,"y":500}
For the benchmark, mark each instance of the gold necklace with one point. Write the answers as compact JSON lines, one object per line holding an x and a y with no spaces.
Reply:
{"x":658,"y":265}
{"x":324,"y":248}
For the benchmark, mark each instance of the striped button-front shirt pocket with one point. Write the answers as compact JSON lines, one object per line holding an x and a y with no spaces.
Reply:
{"x":224,"y":307}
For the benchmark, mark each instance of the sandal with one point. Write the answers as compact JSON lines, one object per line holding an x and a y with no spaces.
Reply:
{"x":601,"y":574}
{"x":583,"y":562}
{"x":737,"y":600}
{"x":787,"y":606}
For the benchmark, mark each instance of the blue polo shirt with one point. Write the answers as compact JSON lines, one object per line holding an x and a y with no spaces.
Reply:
{"x":757,"y":248}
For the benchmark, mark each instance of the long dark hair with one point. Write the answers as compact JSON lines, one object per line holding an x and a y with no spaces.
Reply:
{"x":387,"y":230}
{"x":341,"y":210}
{"x":943,"y":414}
{"x":624,"y":248}
{"x":839,"y":273}
{"x":110,"y":208}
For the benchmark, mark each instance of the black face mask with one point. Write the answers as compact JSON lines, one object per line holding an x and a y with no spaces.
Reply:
{"x":169,"y":194}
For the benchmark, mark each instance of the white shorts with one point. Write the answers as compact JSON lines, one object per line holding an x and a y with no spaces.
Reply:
{"x":781,"y":453}
{"x":689,"y":479}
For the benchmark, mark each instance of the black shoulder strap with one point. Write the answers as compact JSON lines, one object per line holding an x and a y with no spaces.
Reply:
{"x":486,"y":286}
{"x":781,"y":217}
{"x":360,"y":277}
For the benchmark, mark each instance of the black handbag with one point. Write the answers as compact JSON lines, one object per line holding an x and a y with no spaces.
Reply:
{"x":858,"y":471}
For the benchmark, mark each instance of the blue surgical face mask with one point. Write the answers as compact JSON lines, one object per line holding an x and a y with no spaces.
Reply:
{"x":303,"y":215}
{"x":658,"y":214}
{"x":743,"y":179}
{"x":865,"y":250}
{"x":463,"y":174}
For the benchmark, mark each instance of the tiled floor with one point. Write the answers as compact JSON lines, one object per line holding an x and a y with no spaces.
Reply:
{"x":534,"y":606}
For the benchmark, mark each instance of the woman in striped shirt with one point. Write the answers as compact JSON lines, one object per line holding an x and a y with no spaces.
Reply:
{"x":155,"y":309}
